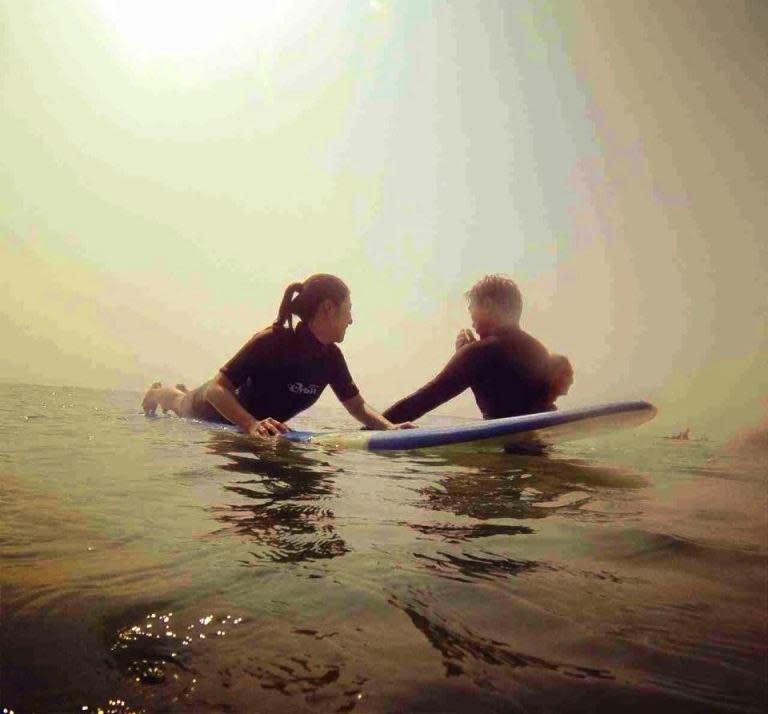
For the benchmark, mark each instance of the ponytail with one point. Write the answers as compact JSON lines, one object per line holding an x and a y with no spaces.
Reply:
{"x":285,"y":313}
{"x":303,"y":299}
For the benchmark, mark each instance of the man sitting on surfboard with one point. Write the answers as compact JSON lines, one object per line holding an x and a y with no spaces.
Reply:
{"x":509,"y":372}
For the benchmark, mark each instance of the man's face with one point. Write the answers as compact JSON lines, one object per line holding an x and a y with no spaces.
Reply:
{"x":484,"y":317}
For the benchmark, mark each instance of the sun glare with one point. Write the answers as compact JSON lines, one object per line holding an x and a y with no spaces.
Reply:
{"x":186,"y":29}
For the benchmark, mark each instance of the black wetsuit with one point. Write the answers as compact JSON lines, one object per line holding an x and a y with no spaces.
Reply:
{"x":278,"y":373}
{"x":507,"y":372}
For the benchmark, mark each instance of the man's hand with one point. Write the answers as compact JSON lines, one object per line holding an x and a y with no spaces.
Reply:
{"x":465,"y":337}
{"x":405,"y":425}
{"x":268,"y":427}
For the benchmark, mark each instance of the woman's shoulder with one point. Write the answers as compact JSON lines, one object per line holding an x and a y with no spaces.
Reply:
{"x":275,"y":332}
{"x":269,"y":338}
{"x":334,"y":352}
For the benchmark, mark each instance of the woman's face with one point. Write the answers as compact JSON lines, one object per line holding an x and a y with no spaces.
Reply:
{"x":340,"y":319}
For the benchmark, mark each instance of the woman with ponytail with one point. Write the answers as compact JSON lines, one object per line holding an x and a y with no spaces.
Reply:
{"x":281,"y":370}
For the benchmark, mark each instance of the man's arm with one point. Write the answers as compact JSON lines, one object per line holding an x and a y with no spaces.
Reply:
{"x":454,"y":378}
{"x":368,"y":416}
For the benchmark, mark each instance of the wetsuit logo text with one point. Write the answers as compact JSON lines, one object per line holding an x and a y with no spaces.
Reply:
{"x":299,"y":388}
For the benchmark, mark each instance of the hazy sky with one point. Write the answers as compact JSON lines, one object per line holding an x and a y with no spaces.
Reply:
{"x":166,"y":168}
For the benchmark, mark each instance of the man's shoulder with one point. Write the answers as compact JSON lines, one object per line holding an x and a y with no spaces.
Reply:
{"x":524,"y":339}
{"x":482,"y":348}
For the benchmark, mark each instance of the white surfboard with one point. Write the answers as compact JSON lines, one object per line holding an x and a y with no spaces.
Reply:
{"x":530,"y":430}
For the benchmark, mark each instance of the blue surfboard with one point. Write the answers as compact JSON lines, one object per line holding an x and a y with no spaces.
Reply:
{"x":530,"y":430}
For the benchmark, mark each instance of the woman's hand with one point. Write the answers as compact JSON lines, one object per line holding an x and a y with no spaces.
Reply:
{"x":268,"y":427}
{"x":465,"y":337}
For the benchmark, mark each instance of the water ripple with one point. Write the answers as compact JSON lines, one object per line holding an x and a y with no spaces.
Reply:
{"x":466,"y":653}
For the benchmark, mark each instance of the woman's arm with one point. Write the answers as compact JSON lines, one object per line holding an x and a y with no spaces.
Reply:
{"x":369,"y":417}
{"x":221,"y":395}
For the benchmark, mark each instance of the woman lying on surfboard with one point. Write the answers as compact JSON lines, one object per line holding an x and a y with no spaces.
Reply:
{"x":280,"y":371}
{"x":509,"y":372}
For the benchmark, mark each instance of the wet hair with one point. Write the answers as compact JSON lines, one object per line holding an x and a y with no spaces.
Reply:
{"x":303,"y":299}
{"x":500,"y":290}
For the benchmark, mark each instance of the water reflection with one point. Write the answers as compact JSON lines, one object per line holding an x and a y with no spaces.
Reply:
{"x":493,"y":486}
{"x":451,"y":533}
{"x":467,"y":653}
{"x":469,"y":567}
{"x":500,"y":496}
{"x":283,"y":505}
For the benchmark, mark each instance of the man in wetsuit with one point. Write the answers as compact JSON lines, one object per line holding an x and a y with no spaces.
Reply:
{"x":509,"y":372}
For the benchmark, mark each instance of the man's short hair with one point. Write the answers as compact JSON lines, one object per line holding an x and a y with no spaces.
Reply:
{"x":500,"y":290}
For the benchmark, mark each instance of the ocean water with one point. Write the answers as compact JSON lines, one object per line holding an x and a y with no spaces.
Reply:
{"x":161,"y":565}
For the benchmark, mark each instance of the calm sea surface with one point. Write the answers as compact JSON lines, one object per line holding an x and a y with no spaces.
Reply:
{"x":160,"y":565}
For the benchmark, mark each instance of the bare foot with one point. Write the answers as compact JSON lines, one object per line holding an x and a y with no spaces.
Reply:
{"x":169,"y":399}
{"x":150,"y":401}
